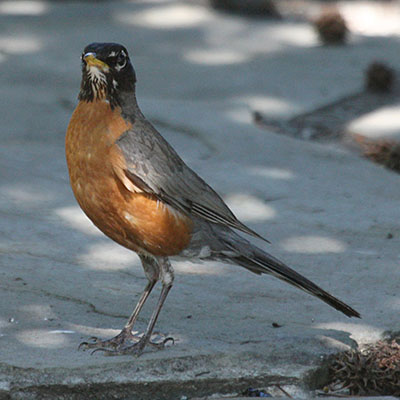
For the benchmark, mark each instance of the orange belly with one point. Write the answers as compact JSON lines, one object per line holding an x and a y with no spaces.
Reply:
{"x":137,"y":221}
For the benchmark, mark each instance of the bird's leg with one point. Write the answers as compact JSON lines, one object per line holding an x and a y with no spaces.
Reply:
{"x":167,"y":278}
{"x":126,"y":336}
{"x":132,"y":319}
{"x":126,"y":333}
{"x":137,"y":348}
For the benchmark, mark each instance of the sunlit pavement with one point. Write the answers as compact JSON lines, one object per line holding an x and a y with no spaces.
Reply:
{"x":331,"y":215}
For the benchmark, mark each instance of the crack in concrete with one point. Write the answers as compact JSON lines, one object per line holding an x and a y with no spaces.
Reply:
{"x":82,"y":302}
{"x":23,"y":252}
{"x":46,"y":293}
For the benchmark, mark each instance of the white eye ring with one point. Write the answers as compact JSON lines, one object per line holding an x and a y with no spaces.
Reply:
{"x":121,"y":61}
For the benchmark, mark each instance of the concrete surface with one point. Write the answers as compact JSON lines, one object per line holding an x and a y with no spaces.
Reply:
{"x":327,"y":212}
{"x":383,"y":123}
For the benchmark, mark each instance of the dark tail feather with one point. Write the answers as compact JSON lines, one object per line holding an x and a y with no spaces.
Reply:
{"x":263,"y":263}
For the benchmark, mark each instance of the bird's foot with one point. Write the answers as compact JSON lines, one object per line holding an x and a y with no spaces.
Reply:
{"x":126,"y":343}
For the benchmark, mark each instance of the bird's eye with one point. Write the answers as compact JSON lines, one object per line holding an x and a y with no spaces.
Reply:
{"x":121,"y":60}
{"x":82,"y":55}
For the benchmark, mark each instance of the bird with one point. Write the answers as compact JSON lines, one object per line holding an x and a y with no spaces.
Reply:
{"x":136,"y":189}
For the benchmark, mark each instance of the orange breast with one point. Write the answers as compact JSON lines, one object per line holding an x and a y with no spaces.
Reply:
{"x":136,"y":220}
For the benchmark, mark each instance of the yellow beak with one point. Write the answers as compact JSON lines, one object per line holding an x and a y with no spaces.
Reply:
{"x":92,"y":61}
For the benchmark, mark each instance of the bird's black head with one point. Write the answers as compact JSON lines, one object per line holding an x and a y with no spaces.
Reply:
{"x":107,"y":73}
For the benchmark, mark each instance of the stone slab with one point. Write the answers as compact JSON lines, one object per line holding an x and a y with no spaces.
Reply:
{"x":327,"y":212}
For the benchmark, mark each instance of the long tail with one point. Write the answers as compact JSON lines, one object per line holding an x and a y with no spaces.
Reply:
{"x":261,"y":262}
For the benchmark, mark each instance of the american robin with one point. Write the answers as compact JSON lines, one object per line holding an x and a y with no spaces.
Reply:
{"x":136,"y":189}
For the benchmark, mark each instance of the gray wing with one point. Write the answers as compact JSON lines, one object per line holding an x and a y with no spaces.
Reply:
{"x":155,"y":167}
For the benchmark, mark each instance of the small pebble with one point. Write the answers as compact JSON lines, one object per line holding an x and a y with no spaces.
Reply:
{"x":379,"y":77}
{"x":331,"y":27}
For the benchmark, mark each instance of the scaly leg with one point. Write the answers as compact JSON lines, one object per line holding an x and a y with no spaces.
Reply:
{"x":125,"y":337}
{"x":126,"y":342}
{"x":167,"y":278}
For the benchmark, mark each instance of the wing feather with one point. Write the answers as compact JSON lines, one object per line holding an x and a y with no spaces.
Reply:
{"x":152,"y":165}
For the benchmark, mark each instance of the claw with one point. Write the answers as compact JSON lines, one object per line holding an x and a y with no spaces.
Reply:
{"x":124,"y":343}
{"x":91,"y":341}
{"x":83,"y":344}
{"x":161,"y":345}
{"x":169,"y":339}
